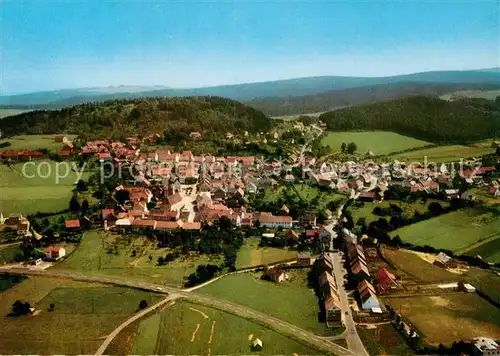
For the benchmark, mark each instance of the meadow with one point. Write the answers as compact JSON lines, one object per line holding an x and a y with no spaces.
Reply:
{"x":250,"y":254}
{"x":463,"y":316}
{"x":83,"y":314}
{"x":111,"y":254}
{"x":305,"y":192}
{"x":444,"y":153}
{"x":489,"y":251}
{"x":485,"y":94}
{"x":35,"y":188}
{"x":35,"y":142}
{"x":378,"y":142}
{"x":292,"y":300}
{"x":11,"y":112}
{"x":453,"y":231}
{"x":185,"y":328}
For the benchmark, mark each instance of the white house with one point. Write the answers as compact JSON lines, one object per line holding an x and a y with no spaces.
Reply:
{"x":55,"y":252}
{"x":485,"y":346}
{"x":271,"y":221}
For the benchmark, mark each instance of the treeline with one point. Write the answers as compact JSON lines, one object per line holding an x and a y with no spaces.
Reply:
{"x":119,"y":118}
{"x":426,"y":118}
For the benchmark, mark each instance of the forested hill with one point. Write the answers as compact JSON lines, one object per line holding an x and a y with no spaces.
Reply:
{"x":141,"y":116}
{"x":426,"y":118}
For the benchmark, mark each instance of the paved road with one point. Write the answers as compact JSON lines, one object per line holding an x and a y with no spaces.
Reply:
{"x":240,"y":310}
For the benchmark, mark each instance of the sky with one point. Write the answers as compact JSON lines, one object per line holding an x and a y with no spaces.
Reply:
{"x":55,"y":44}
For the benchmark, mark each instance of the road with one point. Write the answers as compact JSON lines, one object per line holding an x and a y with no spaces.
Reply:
{"x":233,"y":308}
{"x":303,"y":149}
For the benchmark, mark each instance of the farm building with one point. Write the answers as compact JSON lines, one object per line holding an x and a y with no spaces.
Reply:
{"x":442,"y":260}
{"x":72,"y":224}
{"x":367,"y":296}
{"x":386,"y":281}
{"x":485,"y":346}
{"x":257,"y":344}
{"x":275,"y":275}
{"x":272,"y":221}
{"x":54,"y":252}
{"x":304,"y":258}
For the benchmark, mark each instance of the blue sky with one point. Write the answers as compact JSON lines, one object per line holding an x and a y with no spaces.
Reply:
{"x":53,"y":44}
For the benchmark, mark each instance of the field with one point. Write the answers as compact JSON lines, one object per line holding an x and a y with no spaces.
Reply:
{"x":305,"y":192}
{"x":453,"y":231}
{"x":489,"y":251}
{"x":83,"y":315}
{"x":250,"y":254}
{"x":11,"y":112}
{"x":295,"y":117}
{"x":97,"y":254}
{"x":35,"y":142}
{"x":462,"y":315}
{"x":384,"y":340}
{"x":185,"y":328}
{"x":443,"y":153}
{"x":291,"y":300}
{"x":417,"y":268}
{"x":486,"y":94}
{"x":378,"y":142}
{"x":21,"y":194}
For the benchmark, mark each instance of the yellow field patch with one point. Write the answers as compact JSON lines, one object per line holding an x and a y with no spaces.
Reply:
{"x":194,"y":332}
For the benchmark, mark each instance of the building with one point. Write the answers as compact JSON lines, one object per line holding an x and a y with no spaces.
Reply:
{"x":72,"y":224}
{"x":257,"y":345}
{"x":367,"y":296}
{"x":15,"y":223}
{"x":386,"y":281}
{"x":304,"y":258}
{"x":275,"y":275}
{"x":54,"y":252}
{"x":275,"y":221}
{"x":442,"y":260}
{"x":485,"y":346}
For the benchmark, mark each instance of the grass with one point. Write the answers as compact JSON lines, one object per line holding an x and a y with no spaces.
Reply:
{"x":453,"y":231}
{"x":7,"y":281}
{"x":84,"y":314}
{"x":11,"y":112}
{"x":92,"y":256}
{"x":489,"y":251}
{"x":384,"y":340}
{"x":21,"y":194}
{"x":9,"y":254}
{"x":218,"y":333}
{"x":487,"y":281}
{"x":444,"y":153}
{"x":250,"y":254}
{"x":416,"y":267}
{"x":295,"y":117}
{"x":303,"y":191}
{"x":463,"y":316}
{"x":379,"y":142}
{"x":486,"y":94}
{"x":35,"y":142}
{"x":291,"y":300}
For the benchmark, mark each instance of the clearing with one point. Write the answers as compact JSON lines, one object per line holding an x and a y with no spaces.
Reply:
{"x":378,"y":142}
{"x":453,"y":231}
{"x":35,"y":142}
{"x":485,"y":94}
{"x":444,"y":153}
{"x":111,"y":254}
{"x":250,"y":254}
{"x":85,"y":313}
{"x":292,"y":300}
{"x":183,"y":329}
{"x":463,"y":316}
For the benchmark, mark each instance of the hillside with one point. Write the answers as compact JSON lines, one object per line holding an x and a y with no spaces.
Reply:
{"x":356,"y":96}
{"x":141,"y":116}
{"x":426,"y":118}
{"x":247,"y":91}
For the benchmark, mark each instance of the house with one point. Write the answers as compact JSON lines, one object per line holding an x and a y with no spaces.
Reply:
{"x":367,"y":296}
{"x":308,"y":218}
{"x":386,"y":281}
{"x":289,"y":178}
{"x":324,"y":234}
{"x":195,"y":134}
{"x":275,"y":221}
{"x":139,"y":224}
{"x":17,"y":223}
{"x":257,"y":345}
{"x":452,"y":193}
{"x":485,"y":346}
{"x":60,"y":138}
{"x":495,"y":191}
{"x":291,"y":235}
{"x":360,"y":270}
{"x":175,"y":202}
{"x":367,"y":196}
{"x":54,"y":252}
{"x":442,"y":260}
{"x":72,"y":224}
{"x":275,"y":275}
{"x":303,"y":258}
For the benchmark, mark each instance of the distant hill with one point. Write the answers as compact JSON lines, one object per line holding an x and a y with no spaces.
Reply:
{"x":249,"y":91}
{"x":141,"y":116}
{"x":426,"y":118}
{"x":361,"y":95}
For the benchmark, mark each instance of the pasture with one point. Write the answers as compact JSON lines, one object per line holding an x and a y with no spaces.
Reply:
{"x":35,"y":142}
{"x":384,"y":340}
{"x":111,"y":254}
{"x":453,"y":231}
{"x":35,"y":187}
{"x":185,"y":328}
{"x":378,"y":142}
{"x":462,"y":315}
{"x":83,"y":315}
{"x":305,"y":192}
{"x":489,"y":251}
{"x":417,"y":268}
{"x":250,"y":254}
{"x":443,"y":153}
{"x":292,"y":300}
{"x":485,"y":94}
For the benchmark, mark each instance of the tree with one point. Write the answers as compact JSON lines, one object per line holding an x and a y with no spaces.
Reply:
{"x":81,"y":186}
{"x":435,"y":209}
{"x":351,"y":147}
{"x":19,"y":308}
{"x":343,"y":147}
{"x":143,"y":304}
{"x":85,"y":206}
{"x":74,"y":205}
{"x":161,"y":261}
{"x":51,"y":307}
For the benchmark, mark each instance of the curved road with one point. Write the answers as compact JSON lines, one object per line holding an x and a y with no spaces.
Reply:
{"x":234,"y":308}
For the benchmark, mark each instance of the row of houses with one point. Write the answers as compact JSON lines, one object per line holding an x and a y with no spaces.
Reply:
{"x":329,"y":291}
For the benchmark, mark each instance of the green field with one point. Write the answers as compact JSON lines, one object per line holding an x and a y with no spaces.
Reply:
{"x":490,"y":251}
{"x":250,"y":254}
{"x":11,"y":112}
{"x":37,"y":188}
{"x":485,"y":94}
{"x":378,"y":142}
{"x":305,"y":192}
{"x":185,"y":328}
{"x":463,"y":316}
{"x":83,"y":315}
{"x":444,"y":153}
{"x":291,"y":300}
{"x":96,"y":254}
{"x":34,"y":142}
{"x":453,"y":231}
